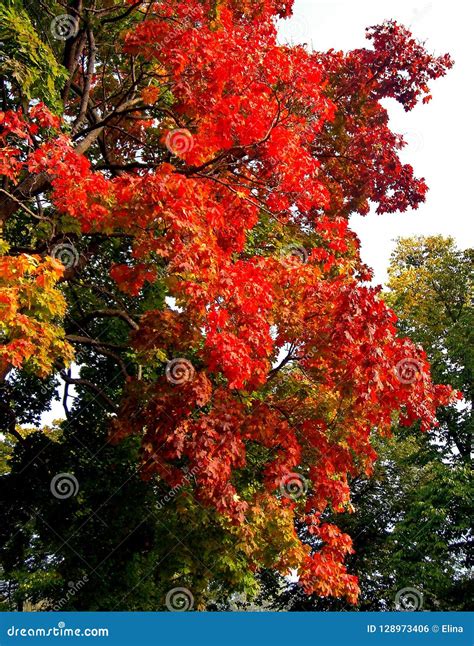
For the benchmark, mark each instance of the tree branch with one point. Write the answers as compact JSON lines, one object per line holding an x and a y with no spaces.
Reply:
{"x":88,"y":384}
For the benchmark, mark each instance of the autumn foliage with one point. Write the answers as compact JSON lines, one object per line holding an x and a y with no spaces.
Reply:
{"x":232,"y":171}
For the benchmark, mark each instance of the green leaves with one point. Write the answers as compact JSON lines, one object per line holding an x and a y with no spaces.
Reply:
{"x":26,"y":60}
{"x":431,"y":289}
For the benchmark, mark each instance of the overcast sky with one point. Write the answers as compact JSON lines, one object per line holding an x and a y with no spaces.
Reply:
{"x":440,"y":134}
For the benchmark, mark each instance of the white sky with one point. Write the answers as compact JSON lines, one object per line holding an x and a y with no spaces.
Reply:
{"x":440,"y":134}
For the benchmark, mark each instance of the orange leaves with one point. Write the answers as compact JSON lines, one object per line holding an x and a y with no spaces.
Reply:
{"x":194,"y":423}
{"x":30,"y":305}
{"x":10,"y":165}
{"x":360,"y":156}
{"x":150,"y":94}
{"x":226,"y":70}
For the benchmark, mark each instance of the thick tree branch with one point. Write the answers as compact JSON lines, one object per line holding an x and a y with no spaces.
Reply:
{"x":87,"y":82}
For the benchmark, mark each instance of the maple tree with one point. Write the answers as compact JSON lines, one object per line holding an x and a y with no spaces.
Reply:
{"x":197,"y":160}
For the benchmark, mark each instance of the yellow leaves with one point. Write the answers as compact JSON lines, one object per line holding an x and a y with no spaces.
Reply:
{"x":4,"y":247}
{"x":159,"y":69}
{"x":271,"y":540}
{"x":157,"y":355}
{"x":30,"y":306}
